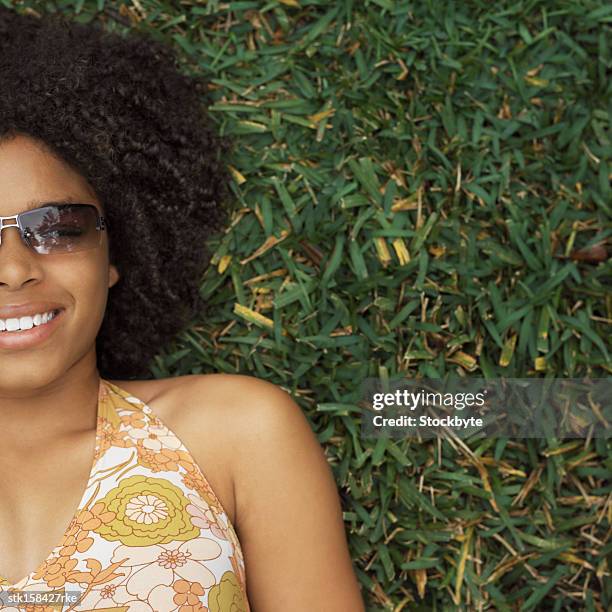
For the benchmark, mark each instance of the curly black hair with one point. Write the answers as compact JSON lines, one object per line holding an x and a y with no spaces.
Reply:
{"x":119,"y":110}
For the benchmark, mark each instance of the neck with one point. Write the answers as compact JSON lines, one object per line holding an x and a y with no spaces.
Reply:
{"x":41,"y":411}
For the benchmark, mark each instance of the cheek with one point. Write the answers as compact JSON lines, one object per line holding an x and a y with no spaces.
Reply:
{"x":85,"y":287}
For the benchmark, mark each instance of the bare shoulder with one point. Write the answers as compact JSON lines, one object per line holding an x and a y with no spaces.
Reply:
{"x":235,"y":396}
{"x":244,"y":408}
{"x":264,"y":424}
{"x":238,"y":389}
{"x":254,"y":405}
{"x":206,"y":395}
{"x":260,"y":421}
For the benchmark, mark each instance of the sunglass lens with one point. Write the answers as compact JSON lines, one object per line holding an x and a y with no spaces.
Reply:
{"x":62,"y":229}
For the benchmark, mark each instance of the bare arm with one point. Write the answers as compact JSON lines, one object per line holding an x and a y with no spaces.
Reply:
{"x":288,"y":513}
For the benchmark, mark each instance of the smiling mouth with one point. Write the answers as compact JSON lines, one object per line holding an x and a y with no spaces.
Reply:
{"x":13,"y":325}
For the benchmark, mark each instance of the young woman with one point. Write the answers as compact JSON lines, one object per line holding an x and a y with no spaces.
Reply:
{"x":201,"y":492}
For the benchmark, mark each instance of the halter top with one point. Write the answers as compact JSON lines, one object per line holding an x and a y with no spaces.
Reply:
{"x":149,"y":534}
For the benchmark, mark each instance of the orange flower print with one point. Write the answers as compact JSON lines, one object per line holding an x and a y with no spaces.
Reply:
{"x":114,"y":595}
{"x":135,"y":419}
{"x":110,"y":436}
{"x":154,"y":437}
{"x":56,"y":571}
{"x":188,"y":595}
{"x":162,"y":565}
{"x":167,"y":460}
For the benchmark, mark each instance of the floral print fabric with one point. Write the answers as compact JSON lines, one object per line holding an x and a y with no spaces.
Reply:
{"x":149,"y":535}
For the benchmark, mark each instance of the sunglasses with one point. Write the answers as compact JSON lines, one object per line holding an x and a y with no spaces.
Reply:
{"x":59,"y":228}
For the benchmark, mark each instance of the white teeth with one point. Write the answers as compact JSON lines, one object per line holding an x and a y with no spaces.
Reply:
{"x":26,"y":323}
{"x":23,"y":323}
{"x":12,"y":324}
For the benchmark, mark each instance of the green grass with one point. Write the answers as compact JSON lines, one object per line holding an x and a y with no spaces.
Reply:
{"x":420,"y":187}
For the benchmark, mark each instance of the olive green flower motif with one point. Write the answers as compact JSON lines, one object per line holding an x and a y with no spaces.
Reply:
{"x":227,"y":596}
{"x":148,"y":511}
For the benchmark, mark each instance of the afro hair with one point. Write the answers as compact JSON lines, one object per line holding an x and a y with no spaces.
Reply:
{"x":118,"y":109}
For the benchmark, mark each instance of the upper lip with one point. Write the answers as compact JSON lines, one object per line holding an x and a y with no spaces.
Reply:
{"x":14,"y":311}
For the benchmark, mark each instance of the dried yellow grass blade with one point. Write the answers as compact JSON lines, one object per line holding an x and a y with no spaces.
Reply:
{"x":565,"y":448}
{"x":536,"y":82}
{"x":268,"y":244}
{"x":484,"y":476}
{"x":420,"y":577}
{"x":238,"y":177}
{"x":437,"y":251}
{"x":534,"y":477}
{"x":461,"y":566}
{"x":464,"y":360}
{"x":409,"y":203}
{"x":578,"y":500}
{"x":223,"y":263}
{"x":404,"y":73}
{"x":263,"y":277}
{"x":566,"y":556}
{"x":540,"y":364}
{"x":401,"y":251}
{"x":570,"y":465}
{"x":507,"y":352}
{"x":602,"y":568}
{"x":382,"y":251}
{"x":508,"y":470}
{"x":321,"y":115}
{"x":252,"y":316}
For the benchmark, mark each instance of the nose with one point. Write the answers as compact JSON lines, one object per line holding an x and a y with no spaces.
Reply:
{"x":17,"y":264}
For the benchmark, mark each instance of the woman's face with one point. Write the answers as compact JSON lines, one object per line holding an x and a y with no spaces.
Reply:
{"x":78,"y":282}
